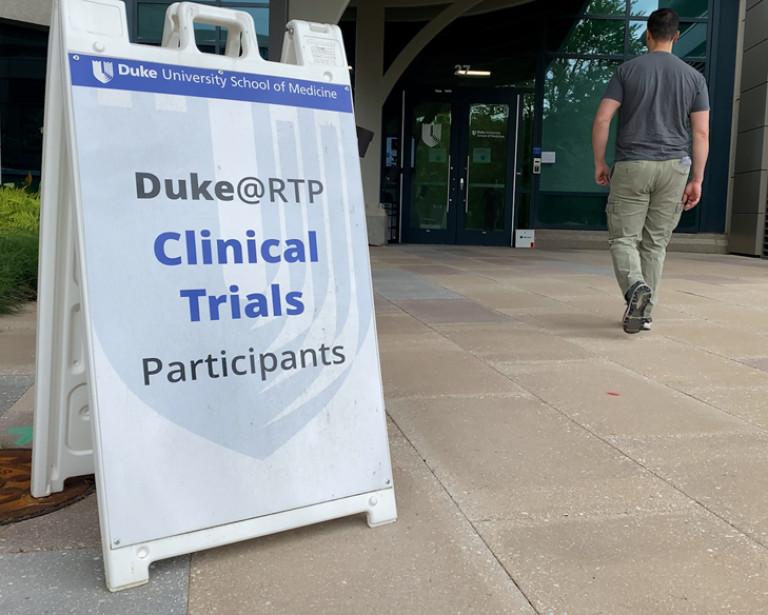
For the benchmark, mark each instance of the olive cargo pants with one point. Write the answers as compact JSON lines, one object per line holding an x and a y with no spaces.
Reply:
{"x":644,"y":207}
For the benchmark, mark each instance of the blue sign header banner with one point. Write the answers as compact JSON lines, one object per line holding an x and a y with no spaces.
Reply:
{"x":140,"y":76}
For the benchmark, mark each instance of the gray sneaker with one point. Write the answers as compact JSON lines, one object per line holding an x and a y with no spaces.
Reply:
{"x":638,"y":298}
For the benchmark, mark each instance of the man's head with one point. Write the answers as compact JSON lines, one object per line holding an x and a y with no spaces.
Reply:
{"x":663,"y":28}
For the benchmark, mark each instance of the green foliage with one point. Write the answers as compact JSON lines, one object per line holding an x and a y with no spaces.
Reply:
{"x":19,"y":224}
{"x":19,"y":211}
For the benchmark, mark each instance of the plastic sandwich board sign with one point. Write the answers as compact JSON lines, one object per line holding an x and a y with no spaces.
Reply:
{"x":207,"y":341}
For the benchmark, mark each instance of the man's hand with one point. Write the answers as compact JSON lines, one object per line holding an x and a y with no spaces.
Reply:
{"x":602,"y":173}
{"x":605,"y":112}
{"x":692,"y":195}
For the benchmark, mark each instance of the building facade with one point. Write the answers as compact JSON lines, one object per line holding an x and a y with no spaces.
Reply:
{"x":481,"y":110}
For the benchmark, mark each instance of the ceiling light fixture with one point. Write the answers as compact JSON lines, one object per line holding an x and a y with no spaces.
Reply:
{"x":464,"y":70}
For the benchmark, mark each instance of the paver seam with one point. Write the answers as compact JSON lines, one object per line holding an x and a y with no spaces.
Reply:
{"x":464,"y":516}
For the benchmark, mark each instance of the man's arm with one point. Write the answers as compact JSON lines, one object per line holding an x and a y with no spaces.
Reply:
{"x":700,"y":133}
{"x":600,"y":130}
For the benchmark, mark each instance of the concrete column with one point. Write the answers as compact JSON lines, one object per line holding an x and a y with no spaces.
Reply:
{"x":750,"y":184}
{"x":29,"y":11}
{"x":322,"y":11}
{"x":369,"y":67}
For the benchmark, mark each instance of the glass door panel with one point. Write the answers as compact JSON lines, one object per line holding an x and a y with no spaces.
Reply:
{"x":430,"y":191}
{"x":487,"y":164}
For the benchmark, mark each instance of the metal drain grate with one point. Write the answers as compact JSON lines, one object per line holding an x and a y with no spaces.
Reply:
{"x":16,"y":503}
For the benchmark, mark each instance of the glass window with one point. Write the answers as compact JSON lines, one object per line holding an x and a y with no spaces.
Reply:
{"x":151,"y":18}
{"x":637,"y":45}
{"x":572,"y":92}
{"x":607,"y":7}
{"x":596,"y":36}
{"x":692,"y":42}
{"x":260,"y":19}
{"x":684,"y":8}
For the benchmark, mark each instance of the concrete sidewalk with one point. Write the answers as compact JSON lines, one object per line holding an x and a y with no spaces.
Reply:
{"x":545,"y":462}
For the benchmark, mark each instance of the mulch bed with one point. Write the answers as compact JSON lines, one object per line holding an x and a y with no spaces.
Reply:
{"x":16,"y":503}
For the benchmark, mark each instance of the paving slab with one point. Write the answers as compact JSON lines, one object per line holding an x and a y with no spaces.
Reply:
{"x":566,"y":322}
{"x":25,"y":319}
{"x":517,"y":458}
{"x":400,"y":324}
{"x":559,"y":287}
{"x":383,"y":306}
{"x":17,"y":352}
{"x":748,"y":403}
{"x":73,"y":527}
{"x":12,"y":388}
{"x":72,"y":583}
{"x":16,"y":422}
{"x":419,"y":373}
{"x":682,"y":366}
{"x":429,"y":561}
{"x":729,"y":313}
{"x":450,"y":310}
{"x":724,"y":340}
{"x":681,"y":563}
{"x":396,"y":284}
{"x":609,"y":400}
{"x":511,"y":342}
{"x":727,"y":473}
{"x":498,"y":296}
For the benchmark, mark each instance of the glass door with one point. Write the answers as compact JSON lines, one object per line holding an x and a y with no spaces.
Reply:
{"x":459,"y":173}
{"x":486,"y":182}
{"x":430,"y":178}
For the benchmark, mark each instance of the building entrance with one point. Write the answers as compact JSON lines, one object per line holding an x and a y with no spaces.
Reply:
{"x":460,"y":167}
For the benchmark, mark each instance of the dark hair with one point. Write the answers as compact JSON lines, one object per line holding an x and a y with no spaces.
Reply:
{"x":663,"y":24}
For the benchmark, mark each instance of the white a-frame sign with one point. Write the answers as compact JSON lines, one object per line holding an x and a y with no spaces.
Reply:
{"x":207,"y":342}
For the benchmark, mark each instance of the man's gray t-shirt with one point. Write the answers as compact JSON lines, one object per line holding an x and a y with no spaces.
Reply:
{"x":657,"y":92}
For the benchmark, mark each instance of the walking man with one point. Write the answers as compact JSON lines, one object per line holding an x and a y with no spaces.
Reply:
{"x":663,"y":106}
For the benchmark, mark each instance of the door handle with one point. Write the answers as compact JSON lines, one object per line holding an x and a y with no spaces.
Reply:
{"x":448,"y":187}
{"x":466,"y":192}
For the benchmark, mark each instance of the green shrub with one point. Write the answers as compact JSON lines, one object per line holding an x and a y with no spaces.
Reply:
{"x":19,"y":226}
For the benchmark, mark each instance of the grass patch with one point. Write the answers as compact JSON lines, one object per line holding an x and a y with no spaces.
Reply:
{"x":19,"y":226}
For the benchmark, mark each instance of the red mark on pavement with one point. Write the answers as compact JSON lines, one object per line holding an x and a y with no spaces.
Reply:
{"x":614,"y":394}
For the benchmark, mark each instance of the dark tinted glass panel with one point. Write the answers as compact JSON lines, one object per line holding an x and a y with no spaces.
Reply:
{"x":567,"y":210}
{"x":151,"y":18}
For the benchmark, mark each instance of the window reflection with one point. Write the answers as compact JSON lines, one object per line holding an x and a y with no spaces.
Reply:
{"x":572,"y":92}
{"x":606,"y":7}
{"x":596,"y":36}
{"x":684,"y":8}
{"x":692,"y":43}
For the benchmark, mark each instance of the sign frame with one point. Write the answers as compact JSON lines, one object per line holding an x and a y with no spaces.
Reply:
{"x":67,"y":438}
